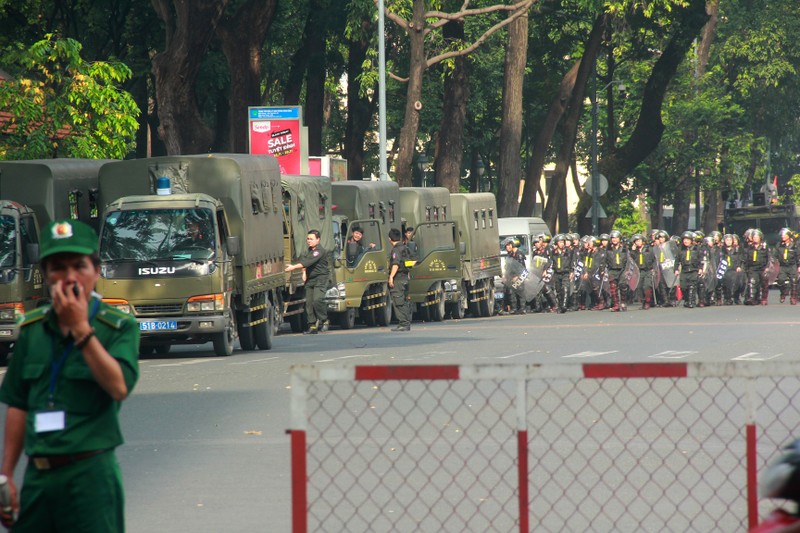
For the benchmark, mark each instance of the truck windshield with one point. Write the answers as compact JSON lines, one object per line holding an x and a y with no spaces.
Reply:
{"x":8,"y":241}
{"x":158,"y":234}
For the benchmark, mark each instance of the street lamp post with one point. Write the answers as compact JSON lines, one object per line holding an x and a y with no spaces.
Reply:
{"x":595,"y":175}
{"x":384,"y":171}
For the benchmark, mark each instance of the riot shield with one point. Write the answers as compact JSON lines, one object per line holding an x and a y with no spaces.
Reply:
{"x":538,"y":276}
{"x":630,"y":275}
{"x":516,"y":276}
{"x":771,"y":272}
{"x":722,"y":268}
{"x":709,"y":273}
{"x":665,"y":258}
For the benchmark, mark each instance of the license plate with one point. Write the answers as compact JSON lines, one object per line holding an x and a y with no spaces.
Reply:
{"x":156,"y":325}
{"x":499,"y":295}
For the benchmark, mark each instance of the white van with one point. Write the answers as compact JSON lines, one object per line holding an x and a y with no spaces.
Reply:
{"x":523,"y":229}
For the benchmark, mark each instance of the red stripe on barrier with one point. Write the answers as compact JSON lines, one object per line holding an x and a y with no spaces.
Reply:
{"x":752,"y":483}
{"x":299,"y":480}
{"x":522,"y":454}
{"x":635,"y":370}
{"x":372,"y":373}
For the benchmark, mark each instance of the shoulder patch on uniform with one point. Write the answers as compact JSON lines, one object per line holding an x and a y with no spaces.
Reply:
{"x":113,"y":317}
{"x":34,"y":316}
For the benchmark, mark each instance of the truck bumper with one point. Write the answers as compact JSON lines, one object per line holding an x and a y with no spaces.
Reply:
{"x":8,"y":333}
{"x":336,"y":305}
{"x":182,"y":329}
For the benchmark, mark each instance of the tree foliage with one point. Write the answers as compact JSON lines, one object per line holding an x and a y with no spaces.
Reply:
{"x":61,"y":105}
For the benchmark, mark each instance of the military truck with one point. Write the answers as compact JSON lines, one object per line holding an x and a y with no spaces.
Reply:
{"x":768,"y":218}
{"x":191,"y":246}
{"x":361,"y":270}
{"x":476,"y":215}
{"x":306,"y":206}
{"x":427,"y":210}
{"x":34,"y":193}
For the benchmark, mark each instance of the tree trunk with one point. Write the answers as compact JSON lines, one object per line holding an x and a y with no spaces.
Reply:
{"x":359,"y":108}
{"x":509,"y":167}
{"x":417,"y":65}
{"x":189,"y":31}
{"x":680,"y":207}
{"x":570,"y":125}
{"x":646,"y":136}
{"x":242,"y":37}
{"x":454,"y":113}
{"x":536,"y":164}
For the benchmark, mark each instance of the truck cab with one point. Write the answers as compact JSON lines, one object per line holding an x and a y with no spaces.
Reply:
{"x":191,"y":246}
{"x":361,"y":268}
{"x":32,"y":194}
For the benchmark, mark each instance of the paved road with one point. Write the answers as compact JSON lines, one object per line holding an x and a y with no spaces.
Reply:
{"x":206,"y":449}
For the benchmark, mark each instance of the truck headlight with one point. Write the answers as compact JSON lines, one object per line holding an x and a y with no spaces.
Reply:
{"x":336,"y":292}
{"x":119,"y":304}
{"x":206,"y":303}
{"x":10,"y":312}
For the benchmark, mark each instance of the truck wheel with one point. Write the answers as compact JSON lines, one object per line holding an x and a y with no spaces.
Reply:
{"x":223,"y":341}
{"x":437,"y":310}
{"x":459,"y":308}
{"x":347,"y":319}
{"x":384,"y":314}
{"x":487,"y":304}
{"x":368,"y":317}
{"x":245,"y":331}
{"x":264,"y":331}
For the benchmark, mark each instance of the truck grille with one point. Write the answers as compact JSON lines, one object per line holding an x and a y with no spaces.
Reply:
{"x":165,"y":309}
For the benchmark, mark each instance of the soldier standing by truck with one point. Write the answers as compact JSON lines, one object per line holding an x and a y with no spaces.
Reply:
{"x":317,"y":274}
{"x":398,"y":280}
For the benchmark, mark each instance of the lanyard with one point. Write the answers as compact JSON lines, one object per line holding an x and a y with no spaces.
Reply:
{"x":58,"y":362}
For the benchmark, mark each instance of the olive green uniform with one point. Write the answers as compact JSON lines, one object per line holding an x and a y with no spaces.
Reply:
{"x":66,"y":488}
{"x":318,"y":275}
{"x":402,"y":305}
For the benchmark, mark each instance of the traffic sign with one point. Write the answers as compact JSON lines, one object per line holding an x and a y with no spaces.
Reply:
{"x":587,"y":186}
{"x":600,"y":212}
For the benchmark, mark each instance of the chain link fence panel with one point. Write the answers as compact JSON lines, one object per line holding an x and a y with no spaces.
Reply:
{"x":606,"y":448}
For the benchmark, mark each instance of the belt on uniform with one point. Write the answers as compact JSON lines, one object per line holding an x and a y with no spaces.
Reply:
{"x":53,"y":462}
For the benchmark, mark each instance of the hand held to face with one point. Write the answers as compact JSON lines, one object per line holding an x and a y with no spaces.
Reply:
{"x":70,"y":303}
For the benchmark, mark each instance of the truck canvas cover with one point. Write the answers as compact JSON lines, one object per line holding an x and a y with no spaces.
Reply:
{"x":307,"y":207}
{"x":248,"y":187}
{"x":54,"y":188}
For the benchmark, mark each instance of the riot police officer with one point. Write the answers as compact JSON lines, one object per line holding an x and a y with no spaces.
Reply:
{"x":788,"y":258}
{"x":688,"y":265}
{"x":756,"y":259}
{"x":616,"y":259}
{"x":643,"y":258}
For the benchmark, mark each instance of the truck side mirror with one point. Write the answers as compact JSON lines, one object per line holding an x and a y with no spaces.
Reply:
{"x":32,"y":250}
{"x":462,"y":248}
{"x":232,"y":242}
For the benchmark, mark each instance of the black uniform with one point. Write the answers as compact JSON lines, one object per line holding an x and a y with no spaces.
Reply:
{"x":689,"y":261}
{"x":645,"y":260}
{"x":515,"y":295}
{"x":402,"y":305}
{"x":732,"y":257}
{"x":562,"y":272}
{"x":755,"y":263}
{"x":786,"y":253}
{"x":318,"y":275}
{"x":616,"y":258}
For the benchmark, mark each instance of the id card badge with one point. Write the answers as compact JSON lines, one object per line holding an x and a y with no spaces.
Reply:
{"x":49,"y":421}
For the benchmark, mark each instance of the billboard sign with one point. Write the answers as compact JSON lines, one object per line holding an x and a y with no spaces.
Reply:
{"x":276,"y":131}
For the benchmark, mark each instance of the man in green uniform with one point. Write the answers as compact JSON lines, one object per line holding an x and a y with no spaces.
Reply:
{"x":398,"y":280}
{"x":316,"y":275}
{"x":74,"y":363}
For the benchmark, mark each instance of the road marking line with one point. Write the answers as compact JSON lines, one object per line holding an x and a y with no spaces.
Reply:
{"x":588,"y":354}
{"x":510,"y":356}
{"x":256,"y":361}
{"x":346,"y":357}
{"x":754,"y":356}
{"x":192,"y":362}
{"x":672,"y":354}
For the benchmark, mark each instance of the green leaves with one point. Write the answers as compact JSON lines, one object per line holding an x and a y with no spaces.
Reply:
{"x":61,"y":105}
